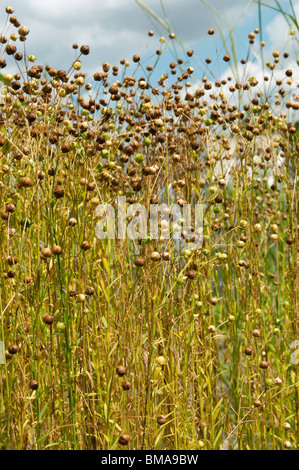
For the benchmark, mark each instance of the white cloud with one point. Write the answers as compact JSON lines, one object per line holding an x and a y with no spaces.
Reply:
{"x":113,"y":28}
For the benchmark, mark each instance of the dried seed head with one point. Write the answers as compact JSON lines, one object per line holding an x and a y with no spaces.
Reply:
{"x":264,"y":365}
{"x":256,"y":333}
{"x":84,"y":50}
{"x":286,"y":426}
{"x":126,"y":385}
{"x":89,"y":291}
{"x":58,"y":192}
{"x":10,"y":208}
{"x":106,"y":66}
{"x":287,"y":445}
{"x":191,"y":274}
{"x":226,"y":58}
{"x":190,"y":52}
{"x":25,"y":182}
{"x":211,"y":31}
{"x":33,"y":384}
{"x":8,"y":355}
{"x":13,"y":349}
{"x":9,"y":10}
{"x":248,"y":351}
{"x":48,"y":319}
{"x":213,"y":300}
{"x":23,"y":30}
{"x":124,"y":439}
{"x":73,"y":222}
{"x":46,"y":252}
{"x":85,"y":245}
{"x":161,"y":419}
{"x":155,"y":256}
{"x":139,"y":262}
{"x":121,"y":371}
{"x":57,"y":250}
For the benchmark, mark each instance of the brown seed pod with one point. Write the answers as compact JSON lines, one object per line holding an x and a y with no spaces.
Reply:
{"x":11,"y":260}
{"x":85,"y":245}
{"x":211,"y":31}
{"x":256,"y":333}
{"x":73,"y":293}
{"x":73,"y":222}
{"x":33,"y":384}
{"x":89,"y":291}
{"x":10,"y":208}
{"x":124,"y":439}
{"x":264,"y":365}
{"x":226,"y":58}
{"x":23,"y":30}
{"x":126,"y":385}
{"x":161,"y":419}
{"x":10,"y":49}
{"x":57,"y":250}
{"x":213,"y":300}
{"x":84,"y":50}
{"x":139,"y":262}
{"x":191,"y":274}
{"x":155,"y":256}
{"x":9,"y":10}
{"x":13,"y":349}
{"x":46,"y":252}
{"x":248,"y":351}
{"x":25,"y":182}
{"x":136,"y":58}
{"x":48,"y":319}
{"x":8,"y":355}
{"x":121,"y":371}
{"x":58,"y":192}
{"x":190,"y":52}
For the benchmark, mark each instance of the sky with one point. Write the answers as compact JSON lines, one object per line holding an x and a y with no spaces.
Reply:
{"x":116,"y":29}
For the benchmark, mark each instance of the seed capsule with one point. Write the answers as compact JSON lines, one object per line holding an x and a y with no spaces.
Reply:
{"x":85,"y":245}
{"x":121,"y":371}
{"x":33,"y":384}
{"x":139,"y":262}
{"x":126,"y":385}
{"x":58,"y":192}
{"x":56,"y":250}
{"x":264,"y":365}
{"x":155,"y":256}
{"x":124,"y":439}
{"x":161,"y":419}
{"x":13,"y":349}
{"x":48,"y":319}
{"x":46,"y":252}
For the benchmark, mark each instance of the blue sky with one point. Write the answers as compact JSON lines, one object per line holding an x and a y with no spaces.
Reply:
{"x":118,"y":28}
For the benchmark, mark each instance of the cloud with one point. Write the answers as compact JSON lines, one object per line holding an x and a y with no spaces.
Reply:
{"x":113,"y":29}
{"x":278,"y":30}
